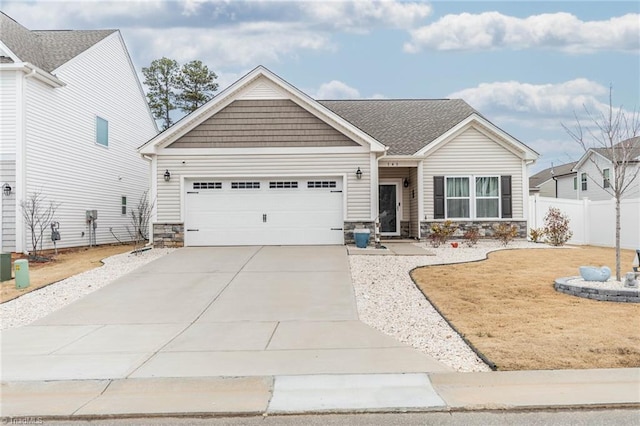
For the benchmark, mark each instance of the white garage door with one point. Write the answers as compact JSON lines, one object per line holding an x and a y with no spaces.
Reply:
{"x":282,"y":211}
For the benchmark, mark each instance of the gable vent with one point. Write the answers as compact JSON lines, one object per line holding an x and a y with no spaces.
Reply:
{"x":262,"y":90}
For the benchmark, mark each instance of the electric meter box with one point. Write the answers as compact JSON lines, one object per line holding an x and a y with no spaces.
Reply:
{"x":92,"y":214}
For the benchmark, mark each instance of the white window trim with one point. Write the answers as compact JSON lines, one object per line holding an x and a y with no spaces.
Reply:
{"x":606,"y":180}
{"x":497,"y":197}
{"x":472,"y":198}
{"x":123,"y":198}
{"x":583,"y":182}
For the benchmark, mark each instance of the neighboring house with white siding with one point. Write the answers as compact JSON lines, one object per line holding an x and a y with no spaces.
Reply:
{"x":591,"y":174}
{"x":263,"y":163}
{"x":554,"y":182}
{"x":72,"y":113}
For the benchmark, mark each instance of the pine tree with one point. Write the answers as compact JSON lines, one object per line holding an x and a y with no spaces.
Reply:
{"x":196,"y":84}
{"x":161,"y":79}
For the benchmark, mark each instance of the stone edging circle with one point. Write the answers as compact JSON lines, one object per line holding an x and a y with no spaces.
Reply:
{"x":629,"y":295}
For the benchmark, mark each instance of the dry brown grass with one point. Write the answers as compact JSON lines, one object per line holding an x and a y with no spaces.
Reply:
{"x":67,"y":263}
{"x":507,"y":308}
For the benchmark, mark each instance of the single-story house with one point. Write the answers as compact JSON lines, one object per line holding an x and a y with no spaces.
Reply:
{"x":263,"y":163}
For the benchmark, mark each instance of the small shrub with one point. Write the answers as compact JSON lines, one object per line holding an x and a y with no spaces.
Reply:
{"x":471,"y":236}
{"x":441,"y":232}
{"x":505,"y":232}
{"x":536,"y":234}
{"x":556,"y":227}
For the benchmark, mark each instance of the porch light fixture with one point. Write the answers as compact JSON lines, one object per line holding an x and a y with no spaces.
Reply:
{"x":405,"y":183}
{"x":6,"y":189}
{"x":359,"y":174}
{"x":167,"y":176}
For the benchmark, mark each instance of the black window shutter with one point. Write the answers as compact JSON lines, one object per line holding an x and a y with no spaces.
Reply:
{"x":505,"y":185}
{"x":438,"y":197}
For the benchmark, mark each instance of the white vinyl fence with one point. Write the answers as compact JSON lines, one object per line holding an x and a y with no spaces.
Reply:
{"x":592,"y":222}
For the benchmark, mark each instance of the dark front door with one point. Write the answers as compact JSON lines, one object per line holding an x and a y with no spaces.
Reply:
{"x":387,"y":208}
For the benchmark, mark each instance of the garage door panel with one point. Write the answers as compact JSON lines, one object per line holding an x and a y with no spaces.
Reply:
{"x":223,"y":215}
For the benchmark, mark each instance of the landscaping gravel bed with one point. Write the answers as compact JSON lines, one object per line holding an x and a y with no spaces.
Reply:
{"x":389,"y":301}
{"x":39,"y":303}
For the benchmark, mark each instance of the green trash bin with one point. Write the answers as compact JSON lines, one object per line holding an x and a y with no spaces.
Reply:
{"x":22,"y":273}
{"x":5,"y":266}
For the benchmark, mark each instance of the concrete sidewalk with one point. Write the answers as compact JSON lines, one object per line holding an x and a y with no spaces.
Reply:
{"x":260,"y":395}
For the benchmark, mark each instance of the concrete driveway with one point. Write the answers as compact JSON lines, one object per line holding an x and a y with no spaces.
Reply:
{"x":202,"y":312}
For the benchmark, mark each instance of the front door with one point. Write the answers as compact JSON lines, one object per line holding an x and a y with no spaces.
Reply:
{"x":389,"y":208}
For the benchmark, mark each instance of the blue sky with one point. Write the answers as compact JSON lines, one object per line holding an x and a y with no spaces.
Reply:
{"x":526,"y":66}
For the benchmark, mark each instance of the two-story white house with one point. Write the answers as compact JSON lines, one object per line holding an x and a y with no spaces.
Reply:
{"x":591,"y":175}
{"x":72,"y":113}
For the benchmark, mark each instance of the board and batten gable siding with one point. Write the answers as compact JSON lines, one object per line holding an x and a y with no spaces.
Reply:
{"x":473,"y":153}
{"x":358,"y":198}
{"x":262,"y":123}
{"x":63,"y":160}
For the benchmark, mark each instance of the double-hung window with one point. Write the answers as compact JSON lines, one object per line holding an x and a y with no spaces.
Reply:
{"x":583,"y":181}
{"x":458,"y":197}
{"x":487,"y":197}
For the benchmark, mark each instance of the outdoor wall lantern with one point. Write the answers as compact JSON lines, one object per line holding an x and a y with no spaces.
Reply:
{"x":405,"y":183}
{"x":359,"y":174}
{"x":6,"y":189}
{"x":167,"y":176}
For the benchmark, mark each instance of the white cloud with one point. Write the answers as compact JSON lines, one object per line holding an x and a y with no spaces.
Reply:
{"x":557,"y":101}
{"x":364,"y":15}
{"x":336,"y":90}
{"x":246,"y":44}
{"x":557,"y":31}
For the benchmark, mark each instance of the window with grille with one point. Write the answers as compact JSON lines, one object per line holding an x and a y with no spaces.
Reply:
{"x":321,"y":184}
{"x":245,"y":185}
{"x":207,"y":185}
{"x":283,"y":184}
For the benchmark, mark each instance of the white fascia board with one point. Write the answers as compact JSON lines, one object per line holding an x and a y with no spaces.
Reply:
{"x":259,"y":150}
{"x":9,"y":52}
{"x":229,"y":94}
{"x":484,"y":126}
{"x":400,"y":160}
{"x":586,"y":156}
{"x":33,"y":71}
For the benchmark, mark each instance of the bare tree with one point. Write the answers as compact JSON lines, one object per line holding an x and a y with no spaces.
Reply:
{"x":139,"y":220}
{"x":612,"y":133}
{"x":38,"y":217}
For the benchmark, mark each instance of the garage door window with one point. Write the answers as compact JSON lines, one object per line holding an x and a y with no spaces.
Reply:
{"x":283,"y":185}
{"x":245,"y":185}
{"x":207,"y":185}
{"x":321,"y":184}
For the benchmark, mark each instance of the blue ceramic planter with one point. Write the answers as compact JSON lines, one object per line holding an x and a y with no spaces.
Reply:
{"x":592,"y":273}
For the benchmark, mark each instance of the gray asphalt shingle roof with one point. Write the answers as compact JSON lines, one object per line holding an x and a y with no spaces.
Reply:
{"x":405,"y":125}
{"x":47,"y":49}
{"x":546,"y":174}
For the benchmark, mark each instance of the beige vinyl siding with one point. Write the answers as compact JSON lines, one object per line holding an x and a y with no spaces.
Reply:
{"x":63,"y":160}
{"x":248,"y":165}
{"x":262,"y":123}
{"x":473,"y":153}
{"x":399,"y":173}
